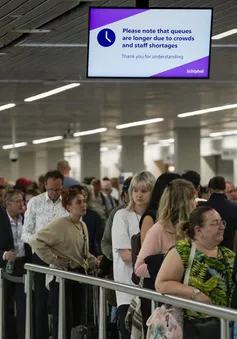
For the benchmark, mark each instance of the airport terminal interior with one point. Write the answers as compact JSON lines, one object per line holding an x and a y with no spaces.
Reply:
{"x":86,"y":126}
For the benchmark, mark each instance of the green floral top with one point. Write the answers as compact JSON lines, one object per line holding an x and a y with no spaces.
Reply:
{"x":209,"y":275}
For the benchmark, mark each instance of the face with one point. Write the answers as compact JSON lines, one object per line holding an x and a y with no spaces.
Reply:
{"x":230,"y":192}
{"x":77,"y":208}
{"x":141,"y":195}
{"x":193,"y":203}
{"x":16,"y":205}
{"x":212,"y":232}
{"x":54,"y":188}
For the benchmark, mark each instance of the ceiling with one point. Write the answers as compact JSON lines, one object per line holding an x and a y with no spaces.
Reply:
{"x":26,"y":71}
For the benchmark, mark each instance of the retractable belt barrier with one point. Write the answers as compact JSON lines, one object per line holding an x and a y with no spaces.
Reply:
{"x":224,"y":314}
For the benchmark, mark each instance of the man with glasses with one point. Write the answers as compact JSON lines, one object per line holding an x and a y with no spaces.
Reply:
{"x":227,"y":210}
{"x":41,"y":211}
{"x":13,"y":249}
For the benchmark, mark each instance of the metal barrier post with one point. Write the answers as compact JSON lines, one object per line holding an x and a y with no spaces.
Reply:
{"x":61,"y":313}
{"x":28,"y":289}
{"x":102,"y":315}
{"x":2,"y":315}
{"x":227,"y":324}
{"x":223,"y":329}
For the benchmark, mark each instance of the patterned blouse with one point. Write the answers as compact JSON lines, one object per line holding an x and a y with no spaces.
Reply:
{"x":212,"y":276}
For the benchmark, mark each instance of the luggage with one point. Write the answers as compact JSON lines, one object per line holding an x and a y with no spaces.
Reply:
{"x":90,"y":329}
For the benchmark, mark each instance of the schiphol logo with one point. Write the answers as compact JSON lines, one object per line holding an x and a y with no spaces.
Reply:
{"x":106,"y":37}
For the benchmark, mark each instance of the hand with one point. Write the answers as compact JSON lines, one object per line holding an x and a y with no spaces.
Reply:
{"x":203,"y":298}
{"x":10,"y":255}
{"x":61,"y":263}
{"x":100,"y":258}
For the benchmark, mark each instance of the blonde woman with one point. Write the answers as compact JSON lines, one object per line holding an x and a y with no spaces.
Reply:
{"x":125,"y":225}
{"x":176,"y":204}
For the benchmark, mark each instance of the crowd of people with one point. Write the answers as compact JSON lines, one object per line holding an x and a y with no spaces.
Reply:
{"x":142,"y":232}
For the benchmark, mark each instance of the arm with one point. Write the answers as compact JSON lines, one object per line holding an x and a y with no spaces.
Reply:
{"x":29,"y":222}
{"x":168,"y":280}
{"x":120,"y":237}
{"x":126,"y":255}
{"x":151,"y":245}
{"x":99,"y":231}
{"x":42,"y":244}
{"x":106,"y":242}
{"x":147,"y":223}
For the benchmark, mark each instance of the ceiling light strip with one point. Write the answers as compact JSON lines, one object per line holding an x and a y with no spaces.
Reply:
{"x":208,"y":110}
{"x":224,"y":34}
{"x":52,"y":92}
{"x":139,"y":123}
{"x":89,"y":132}
{"x":17,"y":145}
{"x":44,"y":140}
{"x":7,"y":106}
{"x":222,"y":134}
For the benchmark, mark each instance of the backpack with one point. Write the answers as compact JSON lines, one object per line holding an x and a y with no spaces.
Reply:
{"x":135,"y":249}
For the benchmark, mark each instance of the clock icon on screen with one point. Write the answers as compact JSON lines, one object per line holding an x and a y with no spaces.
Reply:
{"x":106,"y":37}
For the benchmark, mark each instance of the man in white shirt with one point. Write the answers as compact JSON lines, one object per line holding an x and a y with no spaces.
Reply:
{"x":42,"y":210}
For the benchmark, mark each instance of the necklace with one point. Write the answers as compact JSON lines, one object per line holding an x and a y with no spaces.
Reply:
{"x":77,"y":225}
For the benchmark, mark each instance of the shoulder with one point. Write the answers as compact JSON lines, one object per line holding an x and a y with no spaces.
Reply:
{"x":59,"y":223}
{"x":183,"y":247}
{"x":123,"y":213}
{"x":38,"y":199}
{"x":230,"y":255}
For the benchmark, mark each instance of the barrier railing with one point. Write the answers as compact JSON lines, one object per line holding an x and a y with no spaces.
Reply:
{"x":223,"y":313}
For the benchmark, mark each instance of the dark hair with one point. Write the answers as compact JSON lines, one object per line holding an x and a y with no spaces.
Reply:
{"x":193,"y":177}
{"x":32,"y":192}
{"x":217,"y":183}
{"x":68,"y":195}
{"x":55,"y":174}
{"x":125,"y":187}
{"x":203,"y":190}
{"x":20,"y":188}
{"x":2,"y":187}
{"x":196,"y":218}
{"x":10,"y":194}
{"x":41,"y":179}
{"x":161,"y":183}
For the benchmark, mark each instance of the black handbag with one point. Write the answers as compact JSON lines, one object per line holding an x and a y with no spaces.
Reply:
{"x":202,"y":328}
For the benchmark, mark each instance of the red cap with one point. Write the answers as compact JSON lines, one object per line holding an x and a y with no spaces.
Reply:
{"x":23,"y":182}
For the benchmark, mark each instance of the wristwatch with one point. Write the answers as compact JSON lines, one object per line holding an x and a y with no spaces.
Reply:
{"x":195,"y":293}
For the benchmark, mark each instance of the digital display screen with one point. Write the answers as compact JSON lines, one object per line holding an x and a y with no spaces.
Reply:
{"x":149,"y":43}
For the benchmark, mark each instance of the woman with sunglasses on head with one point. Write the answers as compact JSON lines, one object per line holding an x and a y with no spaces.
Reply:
{"x":210,"y":279}
{"x":64,"y":244}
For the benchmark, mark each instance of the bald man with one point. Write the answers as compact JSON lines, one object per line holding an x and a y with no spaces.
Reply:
{"x":64,"y":167}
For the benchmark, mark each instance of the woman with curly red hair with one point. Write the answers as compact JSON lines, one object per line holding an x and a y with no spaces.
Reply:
{"x":64,"y":244}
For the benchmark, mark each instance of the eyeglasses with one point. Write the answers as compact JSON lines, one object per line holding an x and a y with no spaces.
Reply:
{"x":218,"y":223}
{"x":54,"y":190}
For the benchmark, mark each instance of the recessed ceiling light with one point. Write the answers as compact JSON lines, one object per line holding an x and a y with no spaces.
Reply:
{"x":18,"y":144}
{"x":224,"y":34}
{"x":89,"y":132}
{"x":145,"y":143}
{"x":169,"y":141}
{"x":44,"y":140}
{"x":104,"y":149}
{"x":7,"y":106}
{"x":139,"y":123}
{"x":119,"y":147}
{"x":207,"y":110}
{"x":52,"y":92}
{"x":222,"y":134}
{"x":70,"y":154}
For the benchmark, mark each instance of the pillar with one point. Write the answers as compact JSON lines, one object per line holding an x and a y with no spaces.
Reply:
{"x":187,"y":149}
{"x":54,"y":155}
{"x":132,"y":155}
{"x":90,"y":159}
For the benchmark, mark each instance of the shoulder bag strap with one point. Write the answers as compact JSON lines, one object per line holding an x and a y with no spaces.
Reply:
{"x":190,"y":263}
